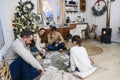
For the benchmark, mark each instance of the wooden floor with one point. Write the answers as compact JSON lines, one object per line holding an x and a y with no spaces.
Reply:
{"x":108,"y":61}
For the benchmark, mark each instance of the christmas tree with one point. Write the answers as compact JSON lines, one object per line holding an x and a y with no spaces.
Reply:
{"x":23,"y":18}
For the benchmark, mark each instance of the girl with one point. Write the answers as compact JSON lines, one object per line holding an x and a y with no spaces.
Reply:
{"x":79,"y":59}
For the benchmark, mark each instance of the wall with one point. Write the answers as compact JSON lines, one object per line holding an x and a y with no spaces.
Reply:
{"x":6,"y":12}
{"x":91,"y":19}
{"x":115,"y":20}
{"x":101,"y":21}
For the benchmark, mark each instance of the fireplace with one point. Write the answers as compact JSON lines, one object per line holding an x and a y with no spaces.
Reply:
{"x":106,"y":35}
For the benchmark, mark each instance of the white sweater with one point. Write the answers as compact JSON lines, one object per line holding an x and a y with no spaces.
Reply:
{"x":79,"y":58}
{"x":38,"y":43}
{"x":19,"y":48}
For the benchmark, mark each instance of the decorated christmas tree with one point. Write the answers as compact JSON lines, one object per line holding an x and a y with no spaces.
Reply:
{"x":23,"y":18}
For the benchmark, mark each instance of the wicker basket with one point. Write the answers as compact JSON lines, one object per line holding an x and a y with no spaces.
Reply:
{"x":4,"y":71}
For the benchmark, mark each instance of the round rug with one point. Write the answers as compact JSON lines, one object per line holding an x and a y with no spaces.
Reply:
{"x":93,"y":50}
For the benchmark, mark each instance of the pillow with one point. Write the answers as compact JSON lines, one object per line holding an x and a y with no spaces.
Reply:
{"x":85,"y":74}
{"x":4,"y":71}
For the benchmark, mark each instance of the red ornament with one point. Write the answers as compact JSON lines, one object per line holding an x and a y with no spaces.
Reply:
{"x":98,"y":1}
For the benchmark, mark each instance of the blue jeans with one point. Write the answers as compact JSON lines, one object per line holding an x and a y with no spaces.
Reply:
{"x":20,"y":70}
{"x":34,"y":49}
{"x":53,"y":48}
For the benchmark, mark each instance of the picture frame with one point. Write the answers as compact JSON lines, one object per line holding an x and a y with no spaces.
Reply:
{"x":82,"y":5}
{"x":2,"y":42}
{"x":38,"y":18}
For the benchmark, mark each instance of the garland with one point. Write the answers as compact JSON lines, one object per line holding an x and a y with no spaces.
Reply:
{"x":99,"y":12}
{"x":28,"y":6}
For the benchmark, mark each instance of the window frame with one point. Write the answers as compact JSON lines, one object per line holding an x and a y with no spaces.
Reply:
{"x":54,"y":12}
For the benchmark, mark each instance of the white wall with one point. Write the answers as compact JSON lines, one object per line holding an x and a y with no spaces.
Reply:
{"x":115,"y":20}
{"x":101,"y":21}
{"x":7,"y":8}
{"x":91,"y":19}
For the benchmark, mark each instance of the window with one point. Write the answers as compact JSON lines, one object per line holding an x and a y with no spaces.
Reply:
{"x":51,"y":10}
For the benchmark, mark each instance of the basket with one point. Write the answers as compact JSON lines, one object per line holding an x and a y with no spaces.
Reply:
{"x":4,"y":71}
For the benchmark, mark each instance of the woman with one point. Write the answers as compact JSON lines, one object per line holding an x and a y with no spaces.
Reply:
{"x":37,"y":39}
{"x":68,"y":42}
{"x":55,"y":40}
{"x":79,"y":60}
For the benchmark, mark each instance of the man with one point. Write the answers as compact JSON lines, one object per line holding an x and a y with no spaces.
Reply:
{"x":23,"y":66}
{"x":55,"y":40}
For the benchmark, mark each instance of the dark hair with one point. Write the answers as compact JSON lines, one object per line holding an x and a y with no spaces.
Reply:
{"x":40,"y":30}
{"x":53,"y":28}
{"x":77,"y":39}
{"x":26,"y":33}
{"x":32,"y":45}
{"x":69,"y":36}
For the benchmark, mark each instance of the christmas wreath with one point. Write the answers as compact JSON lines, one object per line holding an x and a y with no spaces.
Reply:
{"x":99,"y":12}
{"x":28,"y":6}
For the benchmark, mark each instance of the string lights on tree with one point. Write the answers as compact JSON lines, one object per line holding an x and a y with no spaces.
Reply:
{"x":23,"y":18}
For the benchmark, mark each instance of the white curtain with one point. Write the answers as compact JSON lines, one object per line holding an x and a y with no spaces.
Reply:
{"x":40,"y":9}
{"x":60,"y":3}
{"x":62,"y":11}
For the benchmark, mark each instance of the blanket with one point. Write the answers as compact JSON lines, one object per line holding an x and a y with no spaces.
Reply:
{"x":58,"y":75}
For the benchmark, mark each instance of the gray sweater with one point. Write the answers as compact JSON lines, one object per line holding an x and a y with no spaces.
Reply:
{"x":19,"y":48}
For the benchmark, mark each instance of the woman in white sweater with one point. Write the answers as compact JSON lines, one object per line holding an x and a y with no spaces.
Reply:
{"x":79,"y":60}
{"x":38,"y":46}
